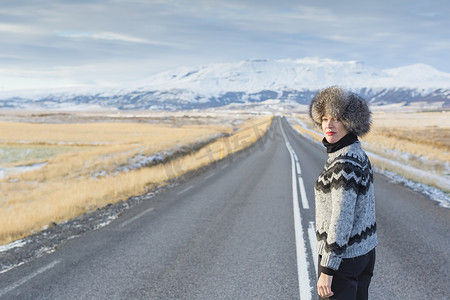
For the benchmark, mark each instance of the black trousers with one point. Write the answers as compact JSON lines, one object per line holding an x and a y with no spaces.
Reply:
{"x":351,"y":281}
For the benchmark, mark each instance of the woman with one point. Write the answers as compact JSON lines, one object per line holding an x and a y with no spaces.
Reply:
{"x":344,"y":195}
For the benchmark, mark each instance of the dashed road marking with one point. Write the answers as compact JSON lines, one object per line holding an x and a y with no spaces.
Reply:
{"x":299,"y":171}
{"x":125,"y":223}
{"x":28,"y":277}
{"x":305,"y":203}
{"x":185,"y":190}
{"x":209,"y":176}
{"x":313,"y":243}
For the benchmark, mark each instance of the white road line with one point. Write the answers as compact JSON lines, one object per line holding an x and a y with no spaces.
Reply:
{"x":224,"y":166}
{"x":185,"y":190}
{"x":209,"y":176}
{"x":136,"y":217}
{"x":305,"y":203}
{"x":299,"y":171}
{"x":302,"y":262}
{"x":303,"y":193}
{"x":313,"y":243}
{"x":28,"y":277}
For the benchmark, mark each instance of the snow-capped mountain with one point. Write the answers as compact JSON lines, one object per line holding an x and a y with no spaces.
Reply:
{"x":309,"y":73}
{"x":252,"y":81}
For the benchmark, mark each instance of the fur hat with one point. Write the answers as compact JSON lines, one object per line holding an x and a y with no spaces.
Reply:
{"x":349,"y":108}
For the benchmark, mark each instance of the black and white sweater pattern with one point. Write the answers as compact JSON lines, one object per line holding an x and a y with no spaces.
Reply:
{"x":345,"y":206}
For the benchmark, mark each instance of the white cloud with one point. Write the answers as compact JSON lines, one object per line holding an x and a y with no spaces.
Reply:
{"x":112,"y":36}
{"x":17,"y":29}
{"x":438,"y":46}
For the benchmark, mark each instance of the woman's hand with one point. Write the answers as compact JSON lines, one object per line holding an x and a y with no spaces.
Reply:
{"x":324,"y":285}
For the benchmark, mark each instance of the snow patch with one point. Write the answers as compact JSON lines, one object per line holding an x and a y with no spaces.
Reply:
{"x":105,"y":223}
{"x":141,"y":161}
{"x":5,"y":172}
{"x":429,"y":191}
{"x":16,"y":244}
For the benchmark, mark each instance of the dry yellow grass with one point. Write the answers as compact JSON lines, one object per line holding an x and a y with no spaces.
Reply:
{"x":421,"y":140}
{"x":63,"y":189}
{"x":421,"y":134}
{"x":97,"y":134}
{"x":311,"y":130}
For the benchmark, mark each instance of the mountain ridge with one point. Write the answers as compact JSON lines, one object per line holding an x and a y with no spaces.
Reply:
{"x":250,"y":81}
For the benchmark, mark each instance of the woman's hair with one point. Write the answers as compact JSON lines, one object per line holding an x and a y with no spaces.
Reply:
{"x":346,"y":106}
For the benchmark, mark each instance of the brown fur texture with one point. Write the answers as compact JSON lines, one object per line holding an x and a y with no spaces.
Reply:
{"x":346,"y":106}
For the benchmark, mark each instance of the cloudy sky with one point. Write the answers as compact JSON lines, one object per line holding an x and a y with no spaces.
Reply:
{"x":49,"y":43}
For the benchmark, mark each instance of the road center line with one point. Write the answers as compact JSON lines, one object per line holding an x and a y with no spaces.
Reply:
{"x":136,"y":217}
{"x":185,"y":190}
{"x":302,"y":262}
{"x":303,"y":193}
{"x":209,"y":176}
{"x":305,"y":203}
{"x":28,"y":277}
{"x":299,"y":171}
{"x":313,"y":243}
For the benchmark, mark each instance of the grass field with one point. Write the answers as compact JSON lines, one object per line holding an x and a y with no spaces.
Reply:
{"x":421,"y":140}
{"x":87,"y":165}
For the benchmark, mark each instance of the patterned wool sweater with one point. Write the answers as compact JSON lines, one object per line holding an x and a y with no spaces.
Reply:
{"x":345,"y":206}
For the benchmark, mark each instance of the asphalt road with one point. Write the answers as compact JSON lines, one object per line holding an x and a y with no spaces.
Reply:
{"x":243,"y":229}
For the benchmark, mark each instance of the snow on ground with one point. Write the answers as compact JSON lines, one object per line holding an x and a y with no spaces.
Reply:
{"x":431,"y":192}
{"x":5,"y":172}
{"x":141,"y":161}
{"x":18,"y":243}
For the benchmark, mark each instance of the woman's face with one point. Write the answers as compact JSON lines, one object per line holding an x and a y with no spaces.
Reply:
{"x":333,"y":129}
